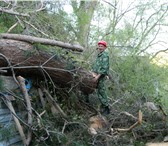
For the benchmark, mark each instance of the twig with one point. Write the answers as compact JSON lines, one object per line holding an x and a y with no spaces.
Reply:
{"x":164,"y":114}
{"x":20,"y":22}
{"x":55,"y":104}
{"x":65,"y":123}
{"x":42,"y":7}
{"x":110,"y":4}
{"x":130,"y":115}
{"x":49,"y":59}
{"x":165,"y":50}
{"x":36,"y":67}
{"x":70,"y":123}
{"x":12,"y":27}
{"x":39,"y":119}
{"x":36,"y":28}
{"x":11,"y":67}
{"x":45,"y":72}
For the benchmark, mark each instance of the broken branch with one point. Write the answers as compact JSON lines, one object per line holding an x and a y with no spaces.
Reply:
{"x":139,"y":122}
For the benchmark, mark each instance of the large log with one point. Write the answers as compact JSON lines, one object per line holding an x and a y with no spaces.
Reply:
{"x":26,"y":61}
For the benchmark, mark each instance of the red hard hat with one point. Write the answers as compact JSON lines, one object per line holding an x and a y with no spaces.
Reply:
{"x":103,"y":43}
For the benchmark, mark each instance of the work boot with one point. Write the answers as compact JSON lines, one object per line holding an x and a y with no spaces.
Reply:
{"x":106,"y":110}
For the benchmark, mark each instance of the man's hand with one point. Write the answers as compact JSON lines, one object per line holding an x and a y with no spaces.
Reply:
{"x":95,"y":79}
{"x":94,"y":74}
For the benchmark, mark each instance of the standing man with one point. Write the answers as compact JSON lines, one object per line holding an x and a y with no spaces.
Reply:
{"x":100,"y":71}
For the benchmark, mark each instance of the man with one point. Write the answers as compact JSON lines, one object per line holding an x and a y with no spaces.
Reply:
{"x":100,"y":71}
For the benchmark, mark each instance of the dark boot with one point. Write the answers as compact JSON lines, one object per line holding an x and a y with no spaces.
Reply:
{"x":106,"y":110}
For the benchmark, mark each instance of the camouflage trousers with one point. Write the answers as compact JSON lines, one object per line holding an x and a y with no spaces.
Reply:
{"x":101,"y":91}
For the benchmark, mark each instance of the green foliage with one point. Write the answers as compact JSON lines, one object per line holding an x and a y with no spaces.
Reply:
{"x":6,"y":21}
{"x":39,"y":46}
{"x":138,"y":75}
{"x":55,"y":25}
{"x":139,"y":143}
{"x":2,"y":28}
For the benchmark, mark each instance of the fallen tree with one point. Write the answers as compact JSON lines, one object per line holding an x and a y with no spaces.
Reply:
{"x":20,"y":58}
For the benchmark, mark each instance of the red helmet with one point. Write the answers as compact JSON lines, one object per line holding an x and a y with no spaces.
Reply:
{"x":103,"y":43}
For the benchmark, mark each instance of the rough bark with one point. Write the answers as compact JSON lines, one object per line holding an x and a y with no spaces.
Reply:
{"x":26,"y":61}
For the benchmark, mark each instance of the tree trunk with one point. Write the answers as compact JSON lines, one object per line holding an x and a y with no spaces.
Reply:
{"x":84,"y":15}
{"x":26,"y":61}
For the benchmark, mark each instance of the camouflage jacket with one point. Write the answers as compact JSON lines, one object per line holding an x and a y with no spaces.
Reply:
{"x":101,"y":65}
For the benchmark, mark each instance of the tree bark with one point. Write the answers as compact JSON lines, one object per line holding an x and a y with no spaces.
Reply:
{"x":27,"y":61}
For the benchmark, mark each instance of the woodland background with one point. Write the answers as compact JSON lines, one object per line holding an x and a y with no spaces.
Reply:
{"x":136,"y":36}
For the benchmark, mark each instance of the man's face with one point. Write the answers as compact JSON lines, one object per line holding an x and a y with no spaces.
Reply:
{"x":101,"y":48}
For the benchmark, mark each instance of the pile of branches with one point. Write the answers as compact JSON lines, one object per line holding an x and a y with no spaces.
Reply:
{"x":60,"y":117}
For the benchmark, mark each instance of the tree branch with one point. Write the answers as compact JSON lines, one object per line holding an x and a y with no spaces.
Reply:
{"x":32,"y":39}
{"x":13,"y":13}
{"x":36,"y":28}
{"x":12,"y":27}
{"x":11,"y":67}
{"x":165,"y":50}
{"x":139,"y":122}
{"x":54,"y":103}
{"x":21,"y":81}
{"x":110,"y":4}
{"x":18,"y":125}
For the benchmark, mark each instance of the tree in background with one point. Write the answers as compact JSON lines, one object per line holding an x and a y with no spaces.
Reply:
{"x":84,"y":11}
